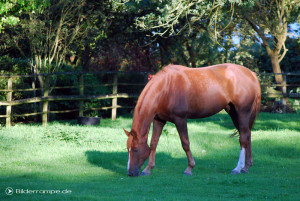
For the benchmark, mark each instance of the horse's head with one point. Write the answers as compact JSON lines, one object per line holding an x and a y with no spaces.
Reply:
{"x":137,"y":153}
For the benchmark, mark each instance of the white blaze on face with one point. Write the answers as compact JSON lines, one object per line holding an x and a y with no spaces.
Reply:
{"x":128,"y":159}
{"x":241,"y":163}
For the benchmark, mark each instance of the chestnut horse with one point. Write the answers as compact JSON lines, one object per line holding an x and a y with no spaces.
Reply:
{"x":177,"y":93}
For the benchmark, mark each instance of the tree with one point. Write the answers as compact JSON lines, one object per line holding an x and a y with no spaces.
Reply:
{"x":113,"y":41}
{"x":175,"y":17}
{"x":46,"y":35}
{"x":268,"y":18}
{"x":9,"y":10}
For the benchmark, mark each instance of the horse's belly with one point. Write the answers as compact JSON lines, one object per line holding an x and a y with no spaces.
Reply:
{"x":205,"y":111}
{"x":211,"y":104}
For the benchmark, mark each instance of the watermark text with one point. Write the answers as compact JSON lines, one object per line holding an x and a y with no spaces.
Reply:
{"x":20,"y":191}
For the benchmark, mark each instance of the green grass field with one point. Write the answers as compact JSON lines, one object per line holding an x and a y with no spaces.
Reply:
{"x":90,"y":162}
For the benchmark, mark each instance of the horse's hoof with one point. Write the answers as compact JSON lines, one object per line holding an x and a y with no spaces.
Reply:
{"x":188,"y":173}
{"x":244,"y":171}
{"x":235,"y":172}
{"x":145,"y":174}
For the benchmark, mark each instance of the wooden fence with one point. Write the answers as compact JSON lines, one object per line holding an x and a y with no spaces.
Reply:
{"x":81,"y":96}
{"x":45,"y":98}
{"x":268,"y":90}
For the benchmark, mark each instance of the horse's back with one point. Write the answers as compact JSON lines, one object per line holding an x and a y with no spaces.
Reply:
{"x":200,"y":92}
{"x":220,"y":69}
{"x":222,"y":74}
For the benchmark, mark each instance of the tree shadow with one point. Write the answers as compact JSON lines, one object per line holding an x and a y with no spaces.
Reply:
{"x":281,"y":123}
{"x":113,"y":161}
{"x":265,"y":121}
{"x":278,"y":150}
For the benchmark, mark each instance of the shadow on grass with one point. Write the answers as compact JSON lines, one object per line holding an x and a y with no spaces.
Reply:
{"x":113,"y":161}
{"x":117,"y":161}
{"x":215,"y":161}
{"x":277,"y":150}
{"x":265,"y":121}
{"x":165,"y":164}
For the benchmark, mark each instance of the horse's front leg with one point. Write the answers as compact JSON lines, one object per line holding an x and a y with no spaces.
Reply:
{"x":157,"y":129}
{"x":181,"y":126}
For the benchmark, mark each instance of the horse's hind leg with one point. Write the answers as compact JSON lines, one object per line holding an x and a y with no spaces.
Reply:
{"x":181,"y":125}
{"x":251,"y":120}
{"x":243,"y":122}
{"x":245,"y":159}
{"x":157,"y":129}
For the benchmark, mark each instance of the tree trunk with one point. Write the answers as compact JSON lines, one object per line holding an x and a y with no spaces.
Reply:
{"x":192,"y":54}
{"x":276,"y":69}
{"x":185,"y":60}
{"x":86,"y":57}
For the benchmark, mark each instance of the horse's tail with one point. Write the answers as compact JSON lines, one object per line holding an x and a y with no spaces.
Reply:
{"x":256,"y":105}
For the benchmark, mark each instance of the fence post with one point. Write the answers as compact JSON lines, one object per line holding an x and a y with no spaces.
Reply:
{"x":9,"y":98}
{"x":284,"y":93}
{"x":114,"y":100}
{"x":81,"y":93}
{"x":34,"y":95}
{"x":45,"y":103}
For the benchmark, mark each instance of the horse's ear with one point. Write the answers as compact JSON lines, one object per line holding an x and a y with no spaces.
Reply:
{"x":126,"y":132}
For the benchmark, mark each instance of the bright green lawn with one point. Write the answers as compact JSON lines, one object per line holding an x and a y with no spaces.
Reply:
{"x":91,"y":162}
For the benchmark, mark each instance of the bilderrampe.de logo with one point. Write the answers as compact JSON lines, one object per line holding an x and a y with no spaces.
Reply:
{"x":11,"y":191}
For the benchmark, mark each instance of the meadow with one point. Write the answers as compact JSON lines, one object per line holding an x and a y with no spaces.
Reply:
{"x":66,"y":161}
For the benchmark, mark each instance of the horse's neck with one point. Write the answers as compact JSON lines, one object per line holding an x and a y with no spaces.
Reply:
{"x":144,"y":112}
{"x":141,"y":125}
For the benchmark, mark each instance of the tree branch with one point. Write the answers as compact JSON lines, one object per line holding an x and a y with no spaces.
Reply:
{"x":283,"y":54}
{"x":260,"y":33}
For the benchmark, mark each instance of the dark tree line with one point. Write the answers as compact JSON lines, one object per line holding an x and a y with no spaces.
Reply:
{"x":143,"y":35}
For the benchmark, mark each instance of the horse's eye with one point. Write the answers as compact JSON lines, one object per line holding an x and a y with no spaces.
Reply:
{"x":135,"y":150}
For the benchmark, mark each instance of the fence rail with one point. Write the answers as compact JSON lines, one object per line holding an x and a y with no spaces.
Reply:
{"x":81,"y":97}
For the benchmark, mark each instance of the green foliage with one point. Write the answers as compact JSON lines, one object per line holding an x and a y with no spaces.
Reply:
{"x":46,"y":32}
{"x":266,"y":19}
{"x":292,"y":59}
{"x":188,"y":15}
{"x":114,"y":35}
{"x":10,"y":10}
{"x":13,"y":65}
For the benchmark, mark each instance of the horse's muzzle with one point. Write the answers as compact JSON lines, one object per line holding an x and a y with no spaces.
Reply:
{"x":134,"y":173}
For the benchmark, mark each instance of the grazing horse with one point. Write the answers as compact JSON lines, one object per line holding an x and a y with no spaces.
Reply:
{"x":177,"y":93}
